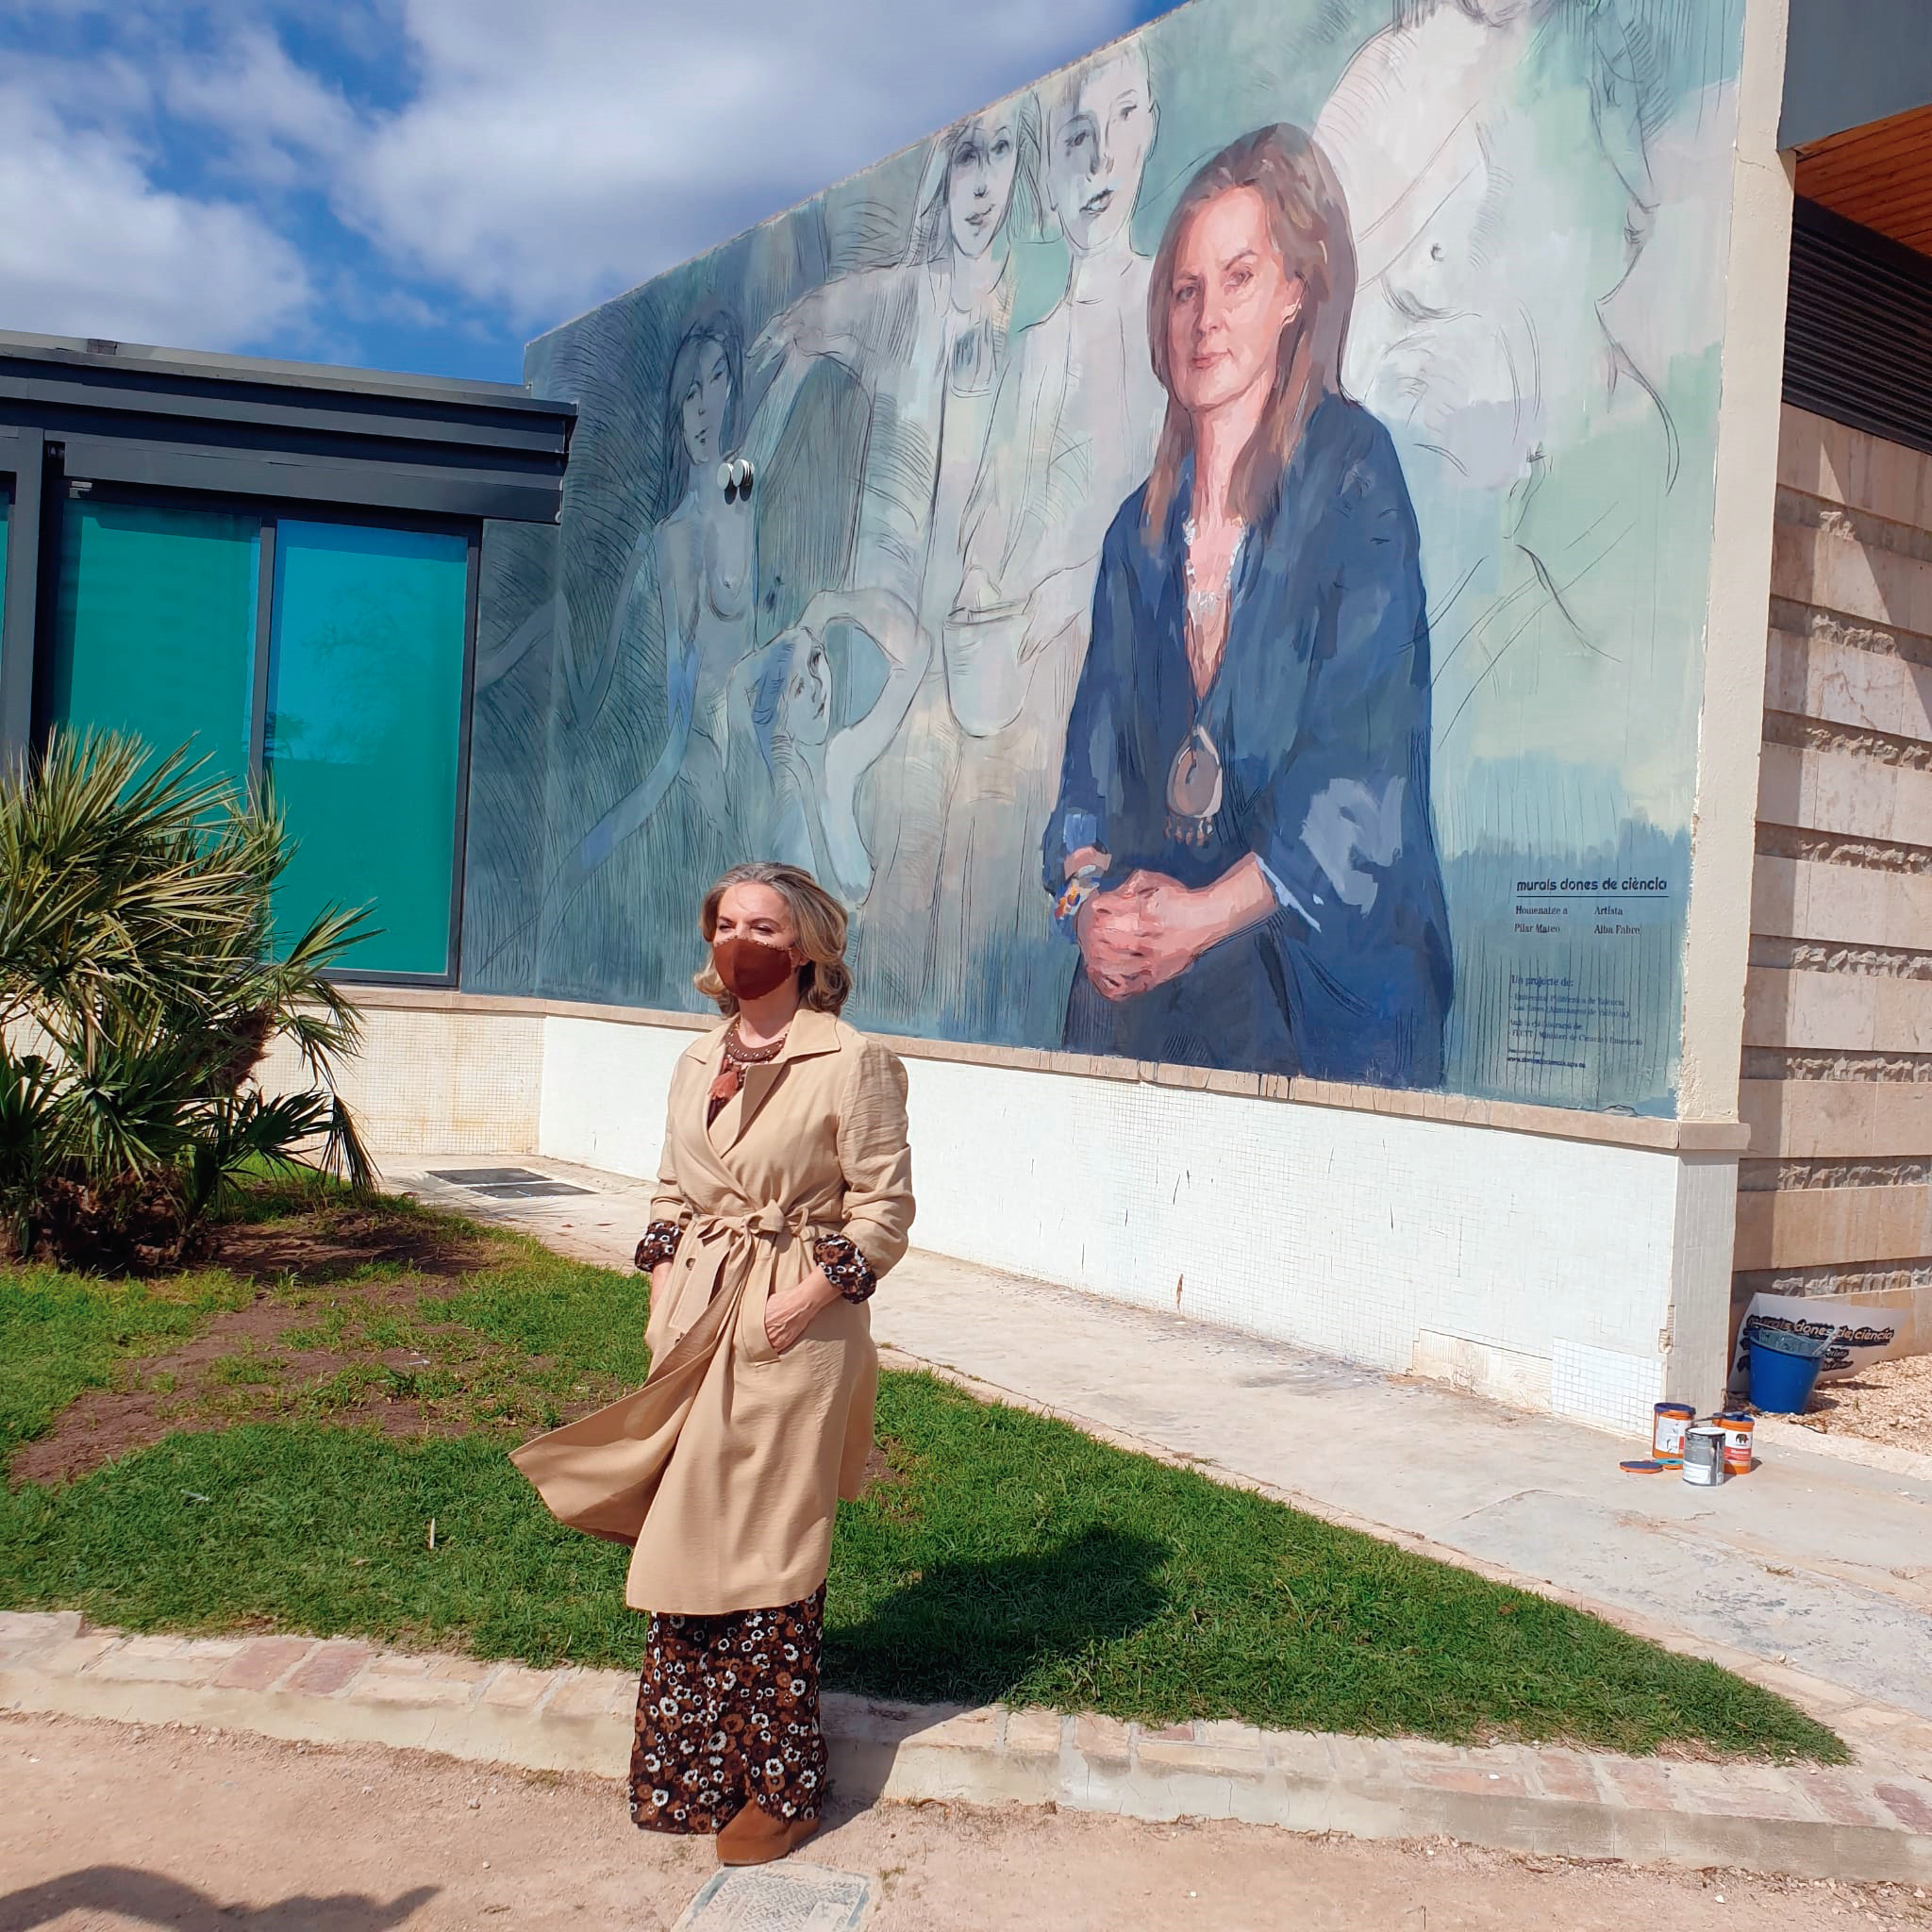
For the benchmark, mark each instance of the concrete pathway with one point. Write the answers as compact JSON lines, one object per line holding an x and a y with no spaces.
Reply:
{"x":1812,"y":1575}
{"x":1865,"y":1823}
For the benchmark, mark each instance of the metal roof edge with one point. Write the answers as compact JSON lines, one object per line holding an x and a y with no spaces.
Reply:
{"x":201,"y":365}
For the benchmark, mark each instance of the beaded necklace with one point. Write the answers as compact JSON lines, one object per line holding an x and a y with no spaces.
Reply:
{"x":731,"y":1071}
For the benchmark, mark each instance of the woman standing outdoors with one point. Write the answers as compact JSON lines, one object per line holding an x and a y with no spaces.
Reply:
{"x":784,"y":1191}
{"x":1242,"y":846}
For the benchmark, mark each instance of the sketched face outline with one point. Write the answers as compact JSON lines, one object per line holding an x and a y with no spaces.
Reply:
{"x":1097,"y":141}
{"x":1229,"y":302}
{"x":1476,"y":329}
{"x":705,"y":405}
{"x":805,"y":703}
{"x":979,"y":181}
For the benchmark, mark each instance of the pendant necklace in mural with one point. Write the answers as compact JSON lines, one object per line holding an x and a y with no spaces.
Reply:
{"x":1195,"y":779}
{"x":1194,"y":789}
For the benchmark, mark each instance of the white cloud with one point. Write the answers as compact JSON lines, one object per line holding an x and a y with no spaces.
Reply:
{"x":92,"y":246}
{"x":556,"y":151}
{"x":276,"y":118}
{"x":545,"y":152}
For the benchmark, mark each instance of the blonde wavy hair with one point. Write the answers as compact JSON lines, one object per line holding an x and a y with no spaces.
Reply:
{"x":825,"y":982}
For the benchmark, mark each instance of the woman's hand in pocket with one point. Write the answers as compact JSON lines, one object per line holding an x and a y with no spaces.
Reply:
{"x":791,"y":1311}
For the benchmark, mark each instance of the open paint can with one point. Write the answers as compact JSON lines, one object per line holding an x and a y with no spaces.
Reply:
{"x":1703,"y":1454}
{"x":1668,"y":1422}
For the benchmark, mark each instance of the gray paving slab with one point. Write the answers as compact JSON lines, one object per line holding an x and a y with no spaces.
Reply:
{"x":791,"y":1897}
{"x":1820,"y":1564}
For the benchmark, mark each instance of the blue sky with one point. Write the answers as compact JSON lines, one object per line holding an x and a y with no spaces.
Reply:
{"x":424,"y":184}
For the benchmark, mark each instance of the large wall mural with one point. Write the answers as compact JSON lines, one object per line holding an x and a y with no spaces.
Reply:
{"x":1207,"y":558}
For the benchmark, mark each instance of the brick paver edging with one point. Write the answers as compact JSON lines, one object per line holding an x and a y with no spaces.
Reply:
{"x":1806,"y":1822}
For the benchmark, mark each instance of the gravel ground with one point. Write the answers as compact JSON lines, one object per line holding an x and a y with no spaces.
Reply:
{"x":1890,"y":1402}
{"x":108,"y":1826}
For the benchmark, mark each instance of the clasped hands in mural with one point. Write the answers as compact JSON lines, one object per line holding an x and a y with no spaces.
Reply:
{"x":1146,"y":932}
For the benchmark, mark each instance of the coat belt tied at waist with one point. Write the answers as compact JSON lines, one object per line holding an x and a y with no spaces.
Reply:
{"x":599,"y":1473}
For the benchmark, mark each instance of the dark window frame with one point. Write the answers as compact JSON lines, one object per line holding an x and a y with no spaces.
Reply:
{"x":270,"y":511}
{"x":23,"y":460}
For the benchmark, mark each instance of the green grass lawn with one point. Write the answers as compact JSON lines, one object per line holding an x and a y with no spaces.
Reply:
{"x":290,"y":1484}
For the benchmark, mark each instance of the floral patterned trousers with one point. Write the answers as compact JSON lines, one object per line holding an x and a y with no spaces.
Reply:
{"x":729,"y":1712}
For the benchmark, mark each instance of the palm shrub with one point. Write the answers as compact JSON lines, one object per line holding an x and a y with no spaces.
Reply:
{"x":139,"y":989}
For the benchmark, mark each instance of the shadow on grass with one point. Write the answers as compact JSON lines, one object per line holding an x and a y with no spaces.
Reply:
{"x":976,"y":1631}
{"x":151,"y":1898}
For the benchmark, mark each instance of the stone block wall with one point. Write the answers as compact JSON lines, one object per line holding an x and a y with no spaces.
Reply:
{"x":1837,"y":1077}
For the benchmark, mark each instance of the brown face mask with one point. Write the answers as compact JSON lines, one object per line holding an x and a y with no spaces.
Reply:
{"x":749,"y":968}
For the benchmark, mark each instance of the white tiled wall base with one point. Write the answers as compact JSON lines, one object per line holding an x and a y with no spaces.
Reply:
{"x":1542,"y":1271}
{"x":1605,"y":1385}
{"x":429,"y":1080}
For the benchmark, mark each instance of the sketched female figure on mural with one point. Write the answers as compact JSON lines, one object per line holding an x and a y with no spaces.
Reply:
{"x":1493,"y":156}
{"x":703,"y":555}
{"x":1073,"y":431}
{"x":927,"y":340}
{"x":1242,"y":847}
{"x":786,"y":701}
{"x":1080,"y":408}
{"x":924,"y":338}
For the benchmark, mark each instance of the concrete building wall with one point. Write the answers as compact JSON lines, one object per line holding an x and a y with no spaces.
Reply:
{"x":870,"y":665}
{"x":1553,"y":1261}
{"x":1523,"y":1253}
{"x":1837,"y":1074}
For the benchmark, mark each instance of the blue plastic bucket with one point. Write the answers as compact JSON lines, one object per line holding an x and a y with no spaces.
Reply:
{"x":1783,"y":1369}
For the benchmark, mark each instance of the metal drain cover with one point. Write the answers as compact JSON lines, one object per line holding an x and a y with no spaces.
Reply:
{"x":505,"y":1183}
{"x":527,"y":1190}
{"x":786,"y":1897}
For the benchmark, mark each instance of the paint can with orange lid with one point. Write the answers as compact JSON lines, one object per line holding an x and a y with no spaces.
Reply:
{"x":1738,"y":1425}
{"x":1668,"y":1422}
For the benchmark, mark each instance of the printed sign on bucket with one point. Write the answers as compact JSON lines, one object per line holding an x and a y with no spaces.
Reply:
{"x":1856,"y":1333}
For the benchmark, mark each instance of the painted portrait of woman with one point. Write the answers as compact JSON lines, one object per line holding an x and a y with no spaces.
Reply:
{"x":1242,"y":847}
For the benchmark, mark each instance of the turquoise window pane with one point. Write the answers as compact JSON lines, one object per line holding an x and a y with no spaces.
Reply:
{"x":365,"y":722}
{"x":154,"y":628}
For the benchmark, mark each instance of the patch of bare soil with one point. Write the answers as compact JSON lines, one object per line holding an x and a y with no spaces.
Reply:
{"x":161,"y":1394}
{"x":1889,"y":1402}
{"x":237,"y":1368}
{"x":886,"y":1481}
{"x":328,"y":1248}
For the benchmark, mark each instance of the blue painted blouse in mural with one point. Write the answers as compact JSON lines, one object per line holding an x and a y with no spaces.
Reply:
{"x":1319,"y":715}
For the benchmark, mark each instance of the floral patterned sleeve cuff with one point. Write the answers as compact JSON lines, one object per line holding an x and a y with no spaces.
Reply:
{"x":658,"y":1244}
{"x":845,"y":1267}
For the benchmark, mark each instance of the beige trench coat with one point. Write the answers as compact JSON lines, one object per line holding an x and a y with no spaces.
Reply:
{"x":724,"y":1470}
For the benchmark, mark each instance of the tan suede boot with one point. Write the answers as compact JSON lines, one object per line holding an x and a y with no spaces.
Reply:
{"x":756,"y":1837}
